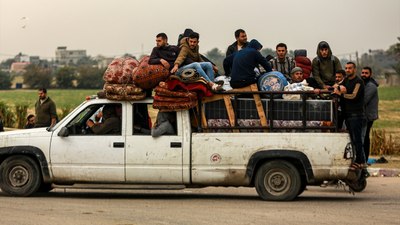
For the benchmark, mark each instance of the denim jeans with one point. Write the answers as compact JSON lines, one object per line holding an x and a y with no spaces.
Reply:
{"x":205,"y":69}
{"x":356,"y":125}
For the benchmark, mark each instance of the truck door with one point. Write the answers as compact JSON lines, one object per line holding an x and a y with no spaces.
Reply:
{"x":82,"y":156}
{"x":152,"y":159}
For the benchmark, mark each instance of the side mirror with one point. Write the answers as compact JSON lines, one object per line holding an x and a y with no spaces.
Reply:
{"x":63,"y":132}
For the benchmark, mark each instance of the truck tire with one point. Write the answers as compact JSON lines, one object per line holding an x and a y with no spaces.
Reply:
{"x":19,"y":176}
{"x":278,"y":180}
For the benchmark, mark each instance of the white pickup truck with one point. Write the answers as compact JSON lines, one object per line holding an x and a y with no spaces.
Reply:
{"x":278,"y":164}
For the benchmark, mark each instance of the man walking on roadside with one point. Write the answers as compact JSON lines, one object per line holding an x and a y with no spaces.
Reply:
{"x":371,"y":101}
{"x":45,"y":110}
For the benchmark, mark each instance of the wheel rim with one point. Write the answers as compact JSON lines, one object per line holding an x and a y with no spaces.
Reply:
{"x":18,"y":176}
{"x":276,"y":182}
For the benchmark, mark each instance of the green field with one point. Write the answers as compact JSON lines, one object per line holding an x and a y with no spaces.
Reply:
{"x":62,"y":98}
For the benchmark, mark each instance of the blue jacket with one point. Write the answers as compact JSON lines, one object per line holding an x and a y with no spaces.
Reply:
{"x":246,"y":60}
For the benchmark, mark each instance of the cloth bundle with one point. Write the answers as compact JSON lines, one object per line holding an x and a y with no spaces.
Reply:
{"x":148,"y":76}
{"x":302,"y":86}
{"x":123,"y":92}
{"x":120,"y":70}
{"x":119,"y":84}
{"x":168,"y":100}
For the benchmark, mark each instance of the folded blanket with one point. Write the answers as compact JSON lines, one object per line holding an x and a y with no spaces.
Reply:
{"x":122,"y":89}
{"x":173,"y":106}
{"x":168,"y":93}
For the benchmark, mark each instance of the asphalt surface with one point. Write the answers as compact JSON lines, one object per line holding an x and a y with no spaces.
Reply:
{"x":379,"y":203}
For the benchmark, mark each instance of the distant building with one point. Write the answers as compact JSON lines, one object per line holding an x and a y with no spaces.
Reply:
{"x":65,"y":57}
{"x":18,"y":67}
{"x":103,"y":62}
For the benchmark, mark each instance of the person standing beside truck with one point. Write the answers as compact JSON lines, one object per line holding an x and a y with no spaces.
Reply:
{"x":371,"y":101}
{"x":45,"y":110}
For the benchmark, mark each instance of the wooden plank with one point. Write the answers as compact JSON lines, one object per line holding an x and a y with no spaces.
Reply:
{"x":259,"y":106}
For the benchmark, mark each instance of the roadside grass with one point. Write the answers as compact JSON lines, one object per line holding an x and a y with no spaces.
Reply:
{"x":62,"y":97}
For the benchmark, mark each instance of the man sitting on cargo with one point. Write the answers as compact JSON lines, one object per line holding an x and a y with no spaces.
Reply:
{"x":190,"y":58}
{"x":243,"y":65}
{"x":111,"y":122}
{"x":163,"y":53}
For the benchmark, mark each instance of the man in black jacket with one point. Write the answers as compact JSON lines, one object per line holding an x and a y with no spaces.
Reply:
{"x":163,"y":53}
{"x":241,"y":42}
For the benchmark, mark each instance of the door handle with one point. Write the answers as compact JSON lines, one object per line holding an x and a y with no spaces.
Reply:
{"x":118,"y":144}
{"x":176,"y":145}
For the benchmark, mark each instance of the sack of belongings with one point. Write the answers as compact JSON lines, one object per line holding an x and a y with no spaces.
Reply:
{"x":148,"y":76}
{"x":119,"y":84}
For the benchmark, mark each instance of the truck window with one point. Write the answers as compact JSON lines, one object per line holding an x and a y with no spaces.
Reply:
{"x":94,"y":113}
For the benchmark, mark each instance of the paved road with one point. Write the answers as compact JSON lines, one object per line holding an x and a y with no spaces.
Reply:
{"x":378,"y":204}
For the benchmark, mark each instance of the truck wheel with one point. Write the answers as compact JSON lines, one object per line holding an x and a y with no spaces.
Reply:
{"x":19,"y":176}
{"x":278,"y":180}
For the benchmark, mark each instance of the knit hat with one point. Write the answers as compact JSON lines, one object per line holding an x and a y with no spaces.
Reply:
{"x":296,"y":69}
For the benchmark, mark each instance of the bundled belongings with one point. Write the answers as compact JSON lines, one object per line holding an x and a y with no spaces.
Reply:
{"x":302,"y":86}
{"x":119,"y":71}
{"x":167,"y":100}
{"x":198,"y":85}
{"x":119,"y":84}
{"x":148,"y":76}
{"x":300,"y":56}
{"x":123,"y":92}
{"x":272,"y":81}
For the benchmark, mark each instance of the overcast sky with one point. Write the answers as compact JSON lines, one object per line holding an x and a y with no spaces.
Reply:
{"x":112,"y":28}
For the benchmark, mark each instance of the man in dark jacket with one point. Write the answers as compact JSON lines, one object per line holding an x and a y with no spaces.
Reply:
{"x":45,"y":110}
{"x":163,"y":53}
{"x":325,"y":65}
{"x":371,"y":101}
{"x":111,"y":122}
{"x":352,"y":102}
{"x":240,"y":43}
{"x":244,"y":62}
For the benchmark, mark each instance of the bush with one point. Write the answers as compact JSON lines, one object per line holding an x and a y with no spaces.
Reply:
{"x":6,"y":115}
{"x":21,"y":112}
{"x":384,"y":144}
